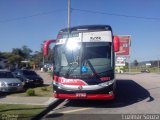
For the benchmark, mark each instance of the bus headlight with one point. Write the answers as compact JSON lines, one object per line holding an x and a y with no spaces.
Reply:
{"x":107,"y":83}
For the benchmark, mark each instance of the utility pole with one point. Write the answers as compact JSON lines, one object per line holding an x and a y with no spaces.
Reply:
{"x":69,"y":15}
{"x":158,"y":65}
{"x":129,"y":64}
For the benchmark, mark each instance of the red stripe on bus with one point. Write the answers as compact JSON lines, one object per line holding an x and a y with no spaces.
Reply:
{"x":88,"y":96}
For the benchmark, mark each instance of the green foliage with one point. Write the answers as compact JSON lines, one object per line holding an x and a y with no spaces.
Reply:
{"x":19,"y":111}
{"x":1,"y":55}
{"x":44,"y":89}
{"x":14,"y":59}
{"x":135,"y":63}
{"x":18,"y":51}
{"x":16,"y":56}
{"x":51,"y":73}
{"x":30,"y":92}
{"x":26,"y":52}
{"x":49,"y":58}
{"x":37,"y":58}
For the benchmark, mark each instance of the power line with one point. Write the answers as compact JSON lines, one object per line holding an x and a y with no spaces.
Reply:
{"x":80,"y":10}
{"x":30,"y":16}
{"x":115,"y":14}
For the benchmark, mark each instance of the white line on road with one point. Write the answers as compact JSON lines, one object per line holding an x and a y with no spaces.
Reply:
{"x":77,"y":110}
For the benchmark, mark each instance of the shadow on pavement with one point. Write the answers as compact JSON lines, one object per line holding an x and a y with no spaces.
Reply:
{"x":2,"y":95}
{"x":128,"y":92}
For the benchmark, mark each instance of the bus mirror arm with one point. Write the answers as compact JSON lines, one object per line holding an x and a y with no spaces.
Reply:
{"x":46,"y":46}
{"x":116,"y":43}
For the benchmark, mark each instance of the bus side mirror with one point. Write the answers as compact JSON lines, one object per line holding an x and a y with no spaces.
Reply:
{"x":116,"y":43}
{"x":46,"y":46}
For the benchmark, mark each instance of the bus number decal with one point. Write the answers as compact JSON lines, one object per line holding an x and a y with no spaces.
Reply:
{"x":95,"y":39}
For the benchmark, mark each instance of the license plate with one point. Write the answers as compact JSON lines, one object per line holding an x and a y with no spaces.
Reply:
{"x":13,"y":89}
{"x":81,"y":95}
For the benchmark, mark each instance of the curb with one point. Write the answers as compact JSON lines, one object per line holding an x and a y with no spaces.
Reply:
{"x":4,"y":100}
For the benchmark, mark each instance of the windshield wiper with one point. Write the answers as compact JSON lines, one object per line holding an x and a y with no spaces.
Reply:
{"x":70,"y":70}
{"x":93,"y":70}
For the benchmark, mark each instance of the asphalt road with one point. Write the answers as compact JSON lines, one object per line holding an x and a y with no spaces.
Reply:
{"x":137,"y":94}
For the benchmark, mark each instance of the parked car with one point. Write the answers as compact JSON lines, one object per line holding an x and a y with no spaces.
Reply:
{"x":9,"y":83}
{"x":145,"y":71}
{"x":29,"y":77}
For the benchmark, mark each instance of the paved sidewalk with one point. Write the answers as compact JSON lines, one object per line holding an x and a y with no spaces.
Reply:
{"x":46,"y":77}
{"x":27,"y":100}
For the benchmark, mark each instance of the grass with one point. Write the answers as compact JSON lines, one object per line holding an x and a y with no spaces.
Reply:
{"x":44,"y":91}
{"x":138,"y":69}
{"x":12,"y":111}
{"x":151,"y":69}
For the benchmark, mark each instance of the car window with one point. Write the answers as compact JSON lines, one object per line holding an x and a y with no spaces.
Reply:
{"x":25,"y":72}
{"x":6,"y":75}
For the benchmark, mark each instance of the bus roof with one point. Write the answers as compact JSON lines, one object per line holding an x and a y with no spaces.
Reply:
{"x":87,"y":28}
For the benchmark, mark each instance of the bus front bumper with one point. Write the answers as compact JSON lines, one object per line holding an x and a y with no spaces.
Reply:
{"x":85,"y":96}
{"x":104,"y":91}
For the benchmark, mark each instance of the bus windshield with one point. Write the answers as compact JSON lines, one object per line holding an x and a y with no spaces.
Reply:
{"x":95,"y":57}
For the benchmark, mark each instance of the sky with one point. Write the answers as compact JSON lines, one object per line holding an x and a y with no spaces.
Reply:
{"x":30,"y":22}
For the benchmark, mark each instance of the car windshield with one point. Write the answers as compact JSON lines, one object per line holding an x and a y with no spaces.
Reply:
{"x":26,"y":72}
{"x":4,"y":74}
{"x":93,"y":56}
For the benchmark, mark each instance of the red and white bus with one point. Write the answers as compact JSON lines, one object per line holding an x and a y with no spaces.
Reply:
{"x":84,"y":62}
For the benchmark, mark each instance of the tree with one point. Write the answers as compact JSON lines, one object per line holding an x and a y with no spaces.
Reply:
{"x":49,"y":58}
{"x":37,"y":58}
{"x":1,"y":55}
{"x":26,"y":52}
{"x":14,"y":59}
{"x":17,"y":55}
{"x":135,"y":63}
{"x":18,"y":51}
